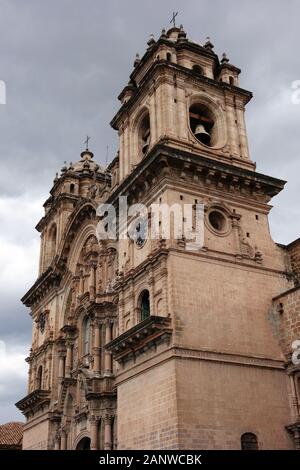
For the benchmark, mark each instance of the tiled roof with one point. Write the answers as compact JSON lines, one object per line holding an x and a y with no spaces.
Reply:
{"x":11,"y":434}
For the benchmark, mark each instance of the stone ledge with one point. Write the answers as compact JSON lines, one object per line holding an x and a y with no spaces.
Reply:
{"x":33,"y":401}
{"x":147,"y":333}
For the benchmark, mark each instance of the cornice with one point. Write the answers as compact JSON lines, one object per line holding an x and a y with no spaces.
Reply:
{"x":162,"y":157}
{"x":157,"y":66}
{"x":42,"y":285}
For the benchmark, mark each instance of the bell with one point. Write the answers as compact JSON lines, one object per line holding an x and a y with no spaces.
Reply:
{"x":202,"y":134}
{"x":146,"y":142}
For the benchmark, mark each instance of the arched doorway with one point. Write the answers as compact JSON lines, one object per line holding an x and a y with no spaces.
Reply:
{"x":84,"y":444}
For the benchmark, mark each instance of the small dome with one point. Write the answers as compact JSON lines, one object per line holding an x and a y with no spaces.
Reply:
{"x":87,"y":163}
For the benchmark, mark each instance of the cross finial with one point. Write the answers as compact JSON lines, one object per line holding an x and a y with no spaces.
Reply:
{"x":173,"y":18}
{"x":86,"y":142}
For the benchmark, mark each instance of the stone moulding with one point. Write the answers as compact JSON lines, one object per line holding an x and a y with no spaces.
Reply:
{"x":147,"y":333}
{"x":35,"y":400}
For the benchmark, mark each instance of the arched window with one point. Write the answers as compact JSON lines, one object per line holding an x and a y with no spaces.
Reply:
{"x":39,"y":378}
{"x":231,"y":80}
{"x":144,"y":134}
{"x":145,"y":305}
{"x":249,"y":441}
{"x":169,"y":56}
{"x":86,"y":336}
{"x":198,"y":69}
{"x":72,"y":188}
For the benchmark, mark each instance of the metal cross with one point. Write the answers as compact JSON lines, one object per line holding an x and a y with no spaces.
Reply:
{"x":173,"y":18}
{"x":86,"y":142}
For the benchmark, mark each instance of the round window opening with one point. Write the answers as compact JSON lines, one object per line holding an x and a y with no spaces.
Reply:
{"x":218,"y":221}
{"x":202,"y":124}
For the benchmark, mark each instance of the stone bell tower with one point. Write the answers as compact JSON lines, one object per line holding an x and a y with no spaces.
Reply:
{"x":198,"y":364}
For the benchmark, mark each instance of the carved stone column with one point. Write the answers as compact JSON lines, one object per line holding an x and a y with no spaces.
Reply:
{"x":94,"y":432}
{"x":92,"y":284}
{"x":68,"y":367}
{"x":61,"y":366}
{"x":108,"y":432}
{"x":61,"y":370}
{"x":108,"y":336}
{"x":295,"y":406}
{"x":57,"y":442}
{"x":81,"y":283}
{"x":151,"y":293}
{"x":63,"y":440}
{"x":97,"y":348}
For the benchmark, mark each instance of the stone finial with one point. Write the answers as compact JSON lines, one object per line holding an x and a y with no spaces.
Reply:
{"x":151,"y":41}
{"x":224,"y":59}
{"x":137,"y":60}
{"x":56,"y":178}
{"x":208,"y":44}
{"x":64,"y":168}
{"x":181,"y":34}
{"x":163,"y":34}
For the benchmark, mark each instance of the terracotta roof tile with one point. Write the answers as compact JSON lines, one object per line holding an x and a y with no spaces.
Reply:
{"x":11,"y":433}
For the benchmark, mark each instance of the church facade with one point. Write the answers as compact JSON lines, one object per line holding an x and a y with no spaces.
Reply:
{"x":144,"y":343}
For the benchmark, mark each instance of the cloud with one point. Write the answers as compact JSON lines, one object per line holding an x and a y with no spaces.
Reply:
{"x":13,"y":377}
{"x":64,"y":63}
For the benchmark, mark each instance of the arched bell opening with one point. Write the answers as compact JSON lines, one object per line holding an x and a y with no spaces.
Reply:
{"x":144,"y":134}
{"x":202,"y":124}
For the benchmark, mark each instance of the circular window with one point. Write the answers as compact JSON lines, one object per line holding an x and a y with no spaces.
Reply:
{"x":218,"y":221}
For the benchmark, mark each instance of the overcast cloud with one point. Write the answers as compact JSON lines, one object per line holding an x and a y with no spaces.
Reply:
{"x":64,"y":63}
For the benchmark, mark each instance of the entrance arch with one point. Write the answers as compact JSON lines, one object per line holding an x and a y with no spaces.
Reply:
{"x":84,"y":444}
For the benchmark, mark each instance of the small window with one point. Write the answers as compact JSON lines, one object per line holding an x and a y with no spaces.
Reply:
{"x":169,"y":57}
{"x":249,"y":441}
{"x":86,"y":336}
{"x":231,"y":80}
{"x":72,"y":188}
{"x":145,"y":305}
{"x":198,"y":69}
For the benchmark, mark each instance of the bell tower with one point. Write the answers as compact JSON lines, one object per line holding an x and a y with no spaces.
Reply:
{"x":195,"y":349}
{"x":181,"y":94}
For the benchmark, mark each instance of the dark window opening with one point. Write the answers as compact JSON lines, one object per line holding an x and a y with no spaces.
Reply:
{"x":217,"y":220}
{"x":145,"y":305}
{"x":198,"y":69}
{"x":231,"y":80}
{"x":249,"y":441}
{"x":169,"y":56}
{"x":202,"y":123}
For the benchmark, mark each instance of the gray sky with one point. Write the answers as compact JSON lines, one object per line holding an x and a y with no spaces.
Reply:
{"x":64,"y":63}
